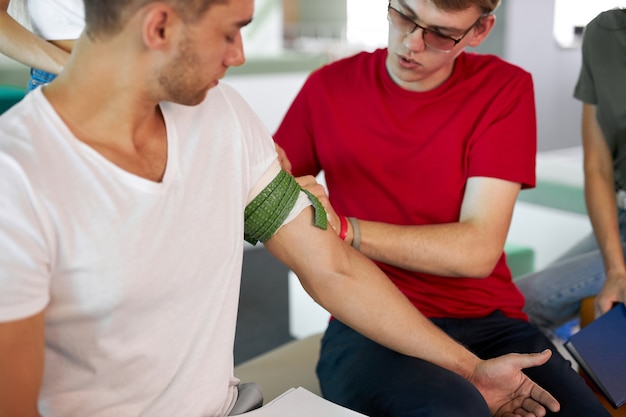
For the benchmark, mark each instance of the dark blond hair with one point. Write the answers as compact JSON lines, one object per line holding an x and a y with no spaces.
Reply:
{"x":486,"y":6}
{"x":107,"y":17}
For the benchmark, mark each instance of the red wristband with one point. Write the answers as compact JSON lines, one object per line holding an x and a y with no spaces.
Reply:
{"x":344,"y":227}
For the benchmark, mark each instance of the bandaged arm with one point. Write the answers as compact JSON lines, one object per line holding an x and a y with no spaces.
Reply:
{"x":277,"y":203}
{"x":354,"y":290}
{"x":338,"y":277}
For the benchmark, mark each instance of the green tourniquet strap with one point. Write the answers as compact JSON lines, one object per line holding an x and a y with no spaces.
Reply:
{"x":320,"y":218}
{"x":267,"y":212}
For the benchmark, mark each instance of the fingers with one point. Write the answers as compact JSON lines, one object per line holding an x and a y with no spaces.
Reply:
{"x":603,"y":305}
{"x":532,"y":408}
{"x":310,"y":184}
{"x":600,"y":308}
{"x":524,"y":397}
{"x":541,"y":399}
{"x":306,"y":181}
{"x":518,"y":413}
{"x":522,"y":407}
{"x":282,"y":158}
{"x":522,"y":411}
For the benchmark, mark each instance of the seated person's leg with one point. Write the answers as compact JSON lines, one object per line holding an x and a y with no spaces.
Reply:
{"x":553,"y":294}
{"x":503,"y":335}
{"x":369,"y":378}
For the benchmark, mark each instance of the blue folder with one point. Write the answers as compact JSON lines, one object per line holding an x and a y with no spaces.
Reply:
{"x":600,"y":350}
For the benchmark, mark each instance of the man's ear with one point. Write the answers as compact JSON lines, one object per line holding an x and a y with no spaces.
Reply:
{"x":482,"y":30}
{"x":160,"y":23}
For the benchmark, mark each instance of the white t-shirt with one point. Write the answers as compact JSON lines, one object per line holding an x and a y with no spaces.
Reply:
{"x":139,"y":280}
{"x":56,"y":19}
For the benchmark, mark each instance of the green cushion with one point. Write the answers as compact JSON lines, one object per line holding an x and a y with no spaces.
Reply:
{"x":556,"y":195}
{"x":521,"y":259}
{"x":9,"y":95}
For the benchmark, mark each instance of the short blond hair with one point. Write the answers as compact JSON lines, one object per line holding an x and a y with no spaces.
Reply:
{"x":106,"y":17}
{"x":486,"y":6}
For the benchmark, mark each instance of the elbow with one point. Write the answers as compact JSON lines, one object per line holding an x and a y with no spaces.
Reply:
{"x":481,"y":265}
{"x":479,"y":271}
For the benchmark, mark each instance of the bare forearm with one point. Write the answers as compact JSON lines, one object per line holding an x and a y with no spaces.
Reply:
{"x":21,"y":366}
{"x":377,"y":309}
{"x":454,"y":249}
{"x":602,"y":210}
{"x":600,"y":190}
{"x":470,"y":246}
{"x":20,"y":44}
{"x":356,"y":292}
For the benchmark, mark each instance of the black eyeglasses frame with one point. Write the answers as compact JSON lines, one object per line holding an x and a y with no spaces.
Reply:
{"x":425,"y":30}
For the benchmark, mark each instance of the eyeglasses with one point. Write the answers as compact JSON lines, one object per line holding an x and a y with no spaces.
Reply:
{"x":433,"y":39}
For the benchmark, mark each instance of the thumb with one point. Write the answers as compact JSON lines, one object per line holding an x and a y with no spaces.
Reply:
{"x":602,"y":305}
{"x":530,"y":360}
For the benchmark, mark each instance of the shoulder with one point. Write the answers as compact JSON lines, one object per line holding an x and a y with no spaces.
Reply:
{"x":358,"y":59}
{"x":608,"y":24}
{"x":222,"y":100}
{"x":489,"y":63}
{"x":345,"y":75}
{"x":614,"y":19}
{"x":351,"y":67}
{"x":22,"y":124}
{"x":493,"y":72}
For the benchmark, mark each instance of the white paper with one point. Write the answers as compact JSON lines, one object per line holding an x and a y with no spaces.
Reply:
{"x":299,"y":402}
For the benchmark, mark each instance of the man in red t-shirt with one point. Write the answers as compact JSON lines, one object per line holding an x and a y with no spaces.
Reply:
{"x":425,"y":148}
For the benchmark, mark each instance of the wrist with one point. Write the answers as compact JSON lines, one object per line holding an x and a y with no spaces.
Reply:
{"x":468,"y":366}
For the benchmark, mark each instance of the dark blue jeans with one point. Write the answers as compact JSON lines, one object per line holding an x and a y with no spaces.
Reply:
{"x":364,"y":376}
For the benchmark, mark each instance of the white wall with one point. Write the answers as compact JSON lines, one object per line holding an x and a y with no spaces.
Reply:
{"x":529,"y":43}
{"x":270,"y":95}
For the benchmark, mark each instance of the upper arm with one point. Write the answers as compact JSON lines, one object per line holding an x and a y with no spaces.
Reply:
{"x":21,"y":365}
{"x":488,"y":204}
{"x":307,"y":250}
{"x":597,"y":156}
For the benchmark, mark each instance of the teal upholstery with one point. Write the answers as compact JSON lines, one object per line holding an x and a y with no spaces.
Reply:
{"x":556,"y":195}
{"x":9,"y":95}
{"x":521,"y":259}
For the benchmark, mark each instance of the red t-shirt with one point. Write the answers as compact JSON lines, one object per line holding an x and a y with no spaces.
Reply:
{"x":403,"y":157}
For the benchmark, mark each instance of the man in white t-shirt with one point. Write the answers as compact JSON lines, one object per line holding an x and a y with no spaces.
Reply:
{"x":127,"y":185}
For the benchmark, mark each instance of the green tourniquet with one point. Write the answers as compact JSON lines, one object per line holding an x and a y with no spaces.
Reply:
{"x":267,"y":212}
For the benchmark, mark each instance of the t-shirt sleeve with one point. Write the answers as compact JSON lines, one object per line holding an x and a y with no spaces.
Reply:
{"x":274,"y":201}
{"x":505,"y":144}
{"x":24,"y":264}
{"x":262,"y":163}
{"x":295,"y":133}
{"x":585,"y":88}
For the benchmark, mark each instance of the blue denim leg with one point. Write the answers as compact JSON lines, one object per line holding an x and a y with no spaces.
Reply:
{"x":39,"y":77}
{"x":371,"y":379}
{"x":496,"y":335}
{"x":553,"y":294}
